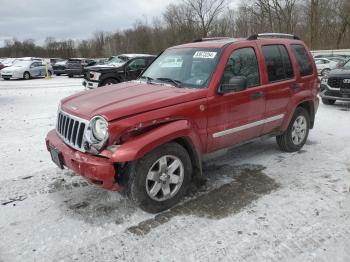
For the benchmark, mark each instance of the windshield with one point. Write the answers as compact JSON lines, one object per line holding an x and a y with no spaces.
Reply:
{"x":115,"y":60}
{"x":347,"y":65}
{"x":187,"y":67}
{"x":22,"y":63}
{"x":8,"y":60}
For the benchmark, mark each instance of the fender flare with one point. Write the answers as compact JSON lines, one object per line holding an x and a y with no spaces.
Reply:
{"x":137,"y":147}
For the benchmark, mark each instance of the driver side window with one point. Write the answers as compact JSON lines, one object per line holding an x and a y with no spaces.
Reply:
{"x":243,"y":62}
{"x":137,"y":64}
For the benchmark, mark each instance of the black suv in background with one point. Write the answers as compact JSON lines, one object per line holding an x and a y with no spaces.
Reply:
{"x":336,"y":85}
{"x":121,"y":68}
{"x":75,"y":66}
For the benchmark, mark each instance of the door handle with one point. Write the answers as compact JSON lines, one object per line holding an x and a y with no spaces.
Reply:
{"x":295,"y":86}
{"x":257,"y":95}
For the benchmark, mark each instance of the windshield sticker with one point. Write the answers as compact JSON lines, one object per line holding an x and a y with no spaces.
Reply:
{"x":204,"y":54}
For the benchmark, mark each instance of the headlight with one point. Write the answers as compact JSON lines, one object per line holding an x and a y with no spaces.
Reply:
{"x":95,"y":75}
{"x":324,"y":81}
{"x":99,"y":128}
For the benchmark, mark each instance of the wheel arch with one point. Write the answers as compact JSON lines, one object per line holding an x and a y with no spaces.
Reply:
{"x":109,"y":76}
{"x":309,"y":107}
{"x":178,"y":131}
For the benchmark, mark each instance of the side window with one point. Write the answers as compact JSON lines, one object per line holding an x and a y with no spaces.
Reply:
{"x":137,"y":64}
{"x":278,"y":64}
{"x":303,"y":60}
{"x":243,"y":62}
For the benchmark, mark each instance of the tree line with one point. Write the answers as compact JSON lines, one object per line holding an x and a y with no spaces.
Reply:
{"x":322,"y":24}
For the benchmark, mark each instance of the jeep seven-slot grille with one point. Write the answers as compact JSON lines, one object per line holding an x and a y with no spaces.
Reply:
{"x":71,"y":129}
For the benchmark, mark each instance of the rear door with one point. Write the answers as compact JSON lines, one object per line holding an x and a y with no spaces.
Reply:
{"x":237,"y":116}
{"x":279,"y":84}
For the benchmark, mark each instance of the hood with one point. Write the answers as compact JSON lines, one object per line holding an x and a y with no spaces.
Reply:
{"x":104,"y":67}
{"x":339,"y":73}
{"x":125,"y":99}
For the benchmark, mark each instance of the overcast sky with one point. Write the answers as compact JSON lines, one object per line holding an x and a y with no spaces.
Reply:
{"x":76,"y":19}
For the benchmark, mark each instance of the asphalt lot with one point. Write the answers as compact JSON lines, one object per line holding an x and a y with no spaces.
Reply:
{"x":259,"y":204}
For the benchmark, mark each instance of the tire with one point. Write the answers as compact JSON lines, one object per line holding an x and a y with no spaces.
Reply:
{"x":293,"y":140}
{"x":50,"y":73}
{"x":145,"y":175}
{"x":57,"y":74}
{"x":109,"y":81}
{"x":6,"y":78}
{"x":328,"y":101}
{"x":70,"y":76}
{"x":325,"y":72}
{"x":26,"y":75}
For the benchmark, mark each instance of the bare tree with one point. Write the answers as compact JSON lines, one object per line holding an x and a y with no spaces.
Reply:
{"x":205,"y":12}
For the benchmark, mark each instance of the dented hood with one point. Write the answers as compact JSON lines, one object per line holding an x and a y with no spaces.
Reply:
{"x":125,"y":99}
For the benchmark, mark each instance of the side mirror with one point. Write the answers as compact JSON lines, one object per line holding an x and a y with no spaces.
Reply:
{"x":235,"y":84}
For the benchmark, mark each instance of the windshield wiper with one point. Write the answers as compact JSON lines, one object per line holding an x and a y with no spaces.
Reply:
{"x":148,"y":79}
{"x":177,"y":83}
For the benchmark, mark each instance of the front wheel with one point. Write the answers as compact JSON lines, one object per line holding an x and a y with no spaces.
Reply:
{"x":325,"y":72}
{"x":328,"y":101}
{"x":160,"y":179}
{"x":294,"y":138}
{"x":109,"y":81}
{"x":26,"y":75}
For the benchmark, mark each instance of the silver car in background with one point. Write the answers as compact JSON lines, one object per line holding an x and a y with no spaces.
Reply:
{"x":25,"y":69}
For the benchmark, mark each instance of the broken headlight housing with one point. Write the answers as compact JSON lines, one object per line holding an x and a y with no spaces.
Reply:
{"x":97,"y":132}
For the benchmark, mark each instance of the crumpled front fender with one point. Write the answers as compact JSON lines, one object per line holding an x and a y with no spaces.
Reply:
{"x":140,"y":145}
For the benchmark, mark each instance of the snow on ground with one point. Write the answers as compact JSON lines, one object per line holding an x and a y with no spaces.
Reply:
{"x":259,"y":204}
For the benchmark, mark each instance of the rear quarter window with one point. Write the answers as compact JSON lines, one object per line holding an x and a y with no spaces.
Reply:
{"x":303,"y":60}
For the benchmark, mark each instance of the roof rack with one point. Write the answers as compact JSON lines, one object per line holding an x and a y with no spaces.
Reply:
{"x":279,"y":35}
{"x":211,"y":39}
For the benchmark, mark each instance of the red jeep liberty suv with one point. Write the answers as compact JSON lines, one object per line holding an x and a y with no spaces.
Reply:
{"x":147,"y":136}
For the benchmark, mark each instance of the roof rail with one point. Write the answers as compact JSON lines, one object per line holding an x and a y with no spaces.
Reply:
{"x":278,"y":35}
{"x":211,"y":39}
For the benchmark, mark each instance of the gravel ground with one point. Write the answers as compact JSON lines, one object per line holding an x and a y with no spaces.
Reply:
{"x":259,"y":204}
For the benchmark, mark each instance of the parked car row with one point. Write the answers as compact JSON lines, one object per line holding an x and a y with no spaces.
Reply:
{"x":325,"y":63}
{"x":120,"y":68}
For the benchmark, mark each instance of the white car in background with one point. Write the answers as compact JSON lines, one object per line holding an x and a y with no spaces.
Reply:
{"x":25,"y":69}
{"x":325,"y":65}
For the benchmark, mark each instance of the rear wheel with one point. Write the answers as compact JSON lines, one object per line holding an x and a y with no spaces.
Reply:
{"x":70,"y":76}
{"x":294,"y":138}
{"x":328,"y":101}
{"x":57,"y":74}
{"x":160,"y":179}
{"x":26,"y":75}
{"x":325,"y":72}
{"x":109,"y":81}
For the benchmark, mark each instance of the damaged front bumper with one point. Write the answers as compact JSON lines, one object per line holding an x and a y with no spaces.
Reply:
{"x":98,"y":170}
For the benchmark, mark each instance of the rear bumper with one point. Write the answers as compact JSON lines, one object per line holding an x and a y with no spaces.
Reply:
{"x":70,"y":71}
{"x":97,"y":170}
{"x":59,"y":71}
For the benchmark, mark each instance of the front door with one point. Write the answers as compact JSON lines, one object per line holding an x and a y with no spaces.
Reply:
{"x":35,"y":69}
{"x":237,"y":116}
{"x":134,"y":68}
